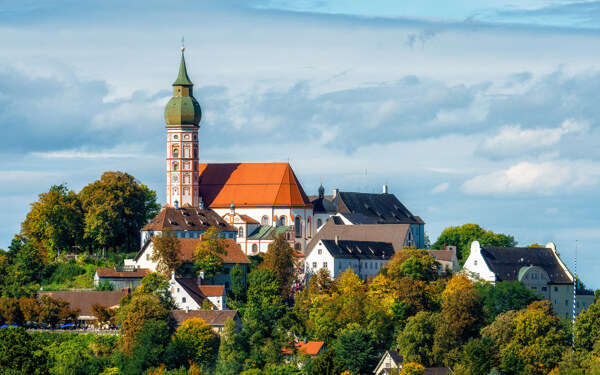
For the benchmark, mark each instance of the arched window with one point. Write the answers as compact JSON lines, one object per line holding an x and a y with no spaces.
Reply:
{"x":265,"y":220}
{"x":308,"y":228}
{"x":175,"y":166}
{"x":319,"y":223}
{"x":282,"y":221}
{"x":175,"y":152}
{"x":298,"y":247}
{"x":241,"y":232}
{"x":298,"y":225}
{"x":186,"y":178}
{"x":254,"y":249}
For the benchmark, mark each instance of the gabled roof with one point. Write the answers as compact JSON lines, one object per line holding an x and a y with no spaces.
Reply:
{"x":234,"y":252}
{"x":190,"y":285}
{"x":187,"y":218}
{"x":357,"y":218}
{"x":212,"y":290}
{"x":267,"y":232}
{"x":251,"y":185}
{"x":359,"y":249}
{"x":383,"y":208}
{"x":136,"y":273}
{"x":392,"y":233}
{"x":506,"y":262}
{"x":212,"y":317}
{"x":309,"y":348}
{"x":85,"y":300}
{"x":444,"y":255}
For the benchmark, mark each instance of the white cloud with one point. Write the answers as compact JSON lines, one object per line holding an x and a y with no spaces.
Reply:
{"x":540,"y":178}
{"x":514,"y":140}
{"x":441,"y":188}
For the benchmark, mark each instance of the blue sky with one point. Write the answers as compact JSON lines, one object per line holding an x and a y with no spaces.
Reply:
{"x":482,"y":112}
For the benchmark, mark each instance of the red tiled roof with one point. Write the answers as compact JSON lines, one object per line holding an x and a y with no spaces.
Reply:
{"x":212,"y":290}
{"x":138,"y":273}
{"x":85,"y":300}
{"x":234,"y":252}
{"x":251,"y":185}
{"x":310,"y":347}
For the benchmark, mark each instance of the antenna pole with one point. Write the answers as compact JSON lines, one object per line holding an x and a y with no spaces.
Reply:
{"x":575,"y":282}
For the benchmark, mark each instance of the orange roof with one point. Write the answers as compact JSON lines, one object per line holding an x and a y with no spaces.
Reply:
{"x":310,"y":348}
{"x":251,"y":185}
{"x":234,"y":252}
{"x":212,"y":290}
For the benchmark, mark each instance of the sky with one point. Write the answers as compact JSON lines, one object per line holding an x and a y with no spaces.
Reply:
{"x":472,"y":111}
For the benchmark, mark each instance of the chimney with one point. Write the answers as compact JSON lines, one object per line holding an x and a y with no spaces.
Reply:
{"x":385,"y":189}
{"x":337,"y":238}
{"x":200,"y":276}
{"x":176,"y":203}
{"x":187,"y":309}
{"x":335,"y":193}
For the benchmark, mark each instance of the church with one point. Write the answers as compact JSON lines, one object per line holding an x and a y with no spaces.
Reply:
{"x":260,"y":200}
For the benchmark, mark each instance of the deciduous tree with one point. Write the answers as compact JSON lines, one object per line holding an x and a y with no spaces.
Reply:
{"x":197,"y":342}
{"x":167,"y":252}
{"x":280,"y":258}
{"x":355,"y":349}
{"x":462,"y":236}
{"x":209,"y":251}
{"x":135,"y":313}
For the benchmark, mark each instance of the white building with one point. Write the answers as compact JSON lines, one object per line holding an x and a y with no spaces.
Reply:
{"x":540,"y":269}
{"x":365,"y":258}
{"x":190,"y":294}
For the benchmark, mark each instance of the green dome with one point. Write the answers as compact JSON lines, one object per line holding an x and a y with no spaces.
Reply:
{"x":183,"y":110}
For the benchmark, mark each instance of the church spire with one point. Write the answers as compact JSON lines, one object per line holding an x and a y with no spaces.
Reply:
{"x":182,"y":78}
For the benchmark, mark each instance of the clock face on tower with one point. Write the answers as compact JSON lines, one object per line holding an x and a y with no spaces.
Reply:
{"x":175,"y":177}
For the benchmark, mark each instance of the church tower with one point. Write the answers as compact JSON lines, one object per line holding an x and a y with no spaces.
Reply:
{"x":182,"y":116}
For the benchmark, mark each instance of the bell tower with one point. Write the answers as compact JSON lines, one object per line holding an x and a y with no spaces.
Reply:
{"x":182,"y":115}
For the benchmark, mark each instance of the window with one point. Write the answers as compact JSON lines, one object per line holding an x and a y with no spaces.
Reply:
{"x":298,"y":225}
{"x":175,"y":152}
{"x":226,"y":284}
{"x":577,"y":303}
{"x":308,"y":228}
{"x":566,"y":302}
{"x":319,"y":223}
{"x":475,"y":262}
{"x":298,"y":247}
{"x":226,"y":271}
{"x":254,"y":249}
{"x":182,"y":299}
{"x":320,"y":251}
{"x":265,"y":220}
{"x":340,"y":265}
{"x":324,"y":264}
{"x":195,"y":153}
{"x":282,"y":221}
{"x":241,"y":232}
{"x":556,"y":289}
{"x":544,"y":289}
{"x":147,"y":256}
{"x":177,"y":290}
{"x":314,"y":264}
{"x":175,"y":166}
{"x":534,"y":288}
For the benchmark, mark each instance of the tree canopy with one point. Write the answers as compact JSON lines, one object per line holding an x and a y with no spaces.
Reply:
{"x":462,"y":236}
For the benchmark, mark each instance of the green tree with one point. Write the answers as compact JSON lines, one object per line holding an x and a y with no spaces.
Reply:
{"x":196,"y":342}
{"x":229,"y":360}
{"x":53,"y":311}
{"x":104,"y":315}
{"x":167,"y":252}
{"x":416,"y":341}
{"x":147,"y":349}
{"x":209,"y":251}
{"x":157,"y":285}
{"x":55,"y":222}
{"x":462,"y":236}
{"x":280,"y":258}
{"x":355,"y":349}
{"x":238,"y":283}
{"x":25,"y":265}
{"x":480,"y":356}
{"x":587,"y":328}
{"x":264,"y":310}
{"x":412,"y":368}
{"x":135,"y":313}
{"x":325,"y":364}
{"x":151,"y":205}
{"x":115,"y":211}
{"x":504,"y":296}
{"x":502,"y":328}
{"x":20,"y":354}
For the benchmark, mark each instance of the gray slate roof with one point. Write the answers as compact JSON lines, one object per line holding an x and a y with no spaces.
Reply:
{"x":382,"y":208}
{"x":506,"y":262}
{"x":359,"y":249}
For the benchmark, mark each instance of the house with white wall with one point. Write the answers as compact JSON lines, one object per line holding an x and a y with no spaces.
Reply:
{"x":190,"y":294}
{"x":365,"y":258}
{"x":540,"y":269}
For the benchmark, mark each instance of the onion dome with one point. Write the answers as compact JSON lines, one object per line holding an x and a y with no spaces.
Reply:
{"x":183,"y":108}
{"x":321,"y":191}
